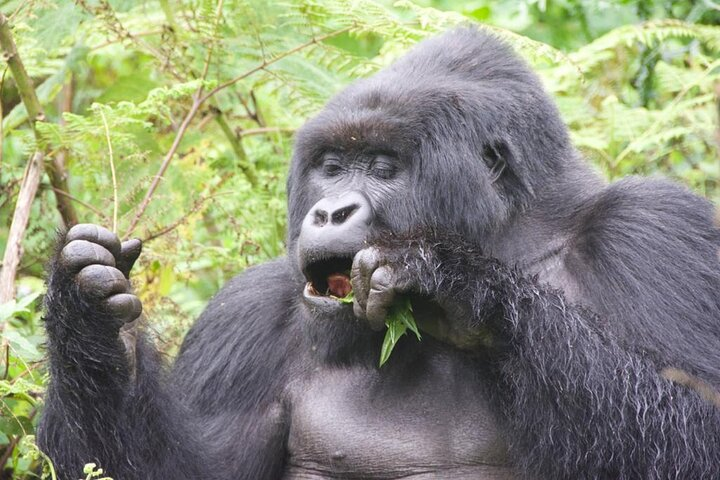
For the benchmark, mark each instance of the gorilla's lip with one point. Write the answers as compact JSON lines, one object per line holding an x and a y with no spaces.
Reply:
{"x":322,"y":303}
{"x":318,"y":272}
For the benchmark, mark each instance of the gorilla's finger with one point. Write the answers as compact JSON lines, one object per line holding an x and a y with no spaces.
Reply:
{"x":124,"y":306}
{"x":100,"y":281}
{"x":363,"y":266}
{"x":95,"y":234}
{"x":381,"y":297}
{"x":129,"y":253}
{"x":78,"y":254}
{"x":358,"y":311}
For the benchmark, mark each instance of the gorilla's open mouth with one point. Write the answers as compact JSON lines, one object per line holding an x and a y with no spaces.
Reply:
{"x":329,"y":277}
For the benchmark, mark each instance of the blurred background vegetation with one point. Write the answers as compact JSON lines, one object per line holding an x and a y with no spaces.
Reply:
{"x":172,"y":121}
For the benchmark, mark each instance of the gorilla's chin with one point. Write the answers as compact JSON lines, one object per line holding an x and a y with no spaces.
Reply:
{"x":335,"y":334}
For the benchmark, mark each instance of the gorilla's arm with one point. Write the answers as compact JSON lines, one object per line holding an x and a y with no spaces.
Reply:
{"x":558,"y":362}
{"x":235,"y":364}
{"x":106,"y":404}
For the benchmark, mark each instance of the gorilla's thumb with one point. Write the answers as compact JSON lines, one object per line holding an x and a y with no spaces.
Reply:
{"x":129,"y":253}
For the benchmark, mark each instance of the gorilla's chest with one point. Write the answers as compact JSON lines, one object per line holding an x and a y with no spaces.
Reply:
{"x":417,"y":423}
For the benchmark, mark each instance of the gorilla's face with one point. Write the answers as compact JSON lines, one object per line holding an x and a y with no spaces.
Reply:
{"x":356,"y":190}
{"x":379,"y":160}
{"x":433,"y":142}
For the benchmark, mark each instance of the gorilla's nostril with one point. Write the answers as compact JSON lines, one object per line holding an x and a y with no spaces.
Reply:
{"x":320,"y":217}
{"x":340,"y":215}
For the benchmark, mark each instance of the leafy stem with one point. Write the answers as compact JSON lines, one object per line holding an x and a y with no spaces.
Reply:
{"x":199,"y":99}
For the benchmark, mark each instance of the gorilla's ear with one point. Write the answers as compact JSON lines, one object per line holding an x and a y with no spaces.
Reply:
{"x":499,"y":158}
{"x":495,"y":155}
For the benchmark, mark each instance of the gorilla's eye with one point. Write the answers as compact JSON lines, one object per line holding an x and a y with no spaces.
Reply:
{"x":383,"y":167}
{"x":331,"y":165}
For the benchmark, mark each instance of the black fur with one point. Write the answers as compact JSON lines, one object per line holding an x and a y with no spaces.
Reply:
{"x":560,"y":301}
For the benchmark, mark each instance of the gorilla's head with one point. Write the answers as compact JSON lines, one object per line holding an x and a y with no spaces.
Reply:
{"x":456,"y":136}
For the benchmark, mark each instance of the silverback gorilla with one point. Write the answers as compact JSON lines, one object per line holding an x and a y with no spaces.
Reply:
{"x":551,"y":304}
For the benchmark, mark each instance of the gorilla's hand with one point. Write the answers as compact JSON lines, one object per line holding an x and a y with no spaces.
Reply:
{"x":91,"y":272}
{"x":453,"y":288}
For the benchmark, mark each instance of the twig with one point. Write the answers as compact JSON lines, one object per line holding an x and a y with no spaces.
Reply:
{"x":237,"y":147}
{"x":264,"y":130}
{"x":112,"y":170}
{"x":169,"y":228}
{"x":267,"y":63}
{"x":77,"y":200}
{"x":197,"y":103}
{"x":33,"y":170}
{"x":163,"y":167}
{"x":13,"y":443}
{"x":194,"y":209}
{"x":14,"y":439}
{"x":132,"y":35}
{"x":198,"y":100}
{"x":2,"y":115}
{"x":13,"y":249}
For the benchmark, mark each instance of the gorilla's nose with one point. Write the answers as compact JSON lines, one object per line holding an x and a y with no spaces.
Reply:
{"x":336,"y":225}
{"x":346,"y":212}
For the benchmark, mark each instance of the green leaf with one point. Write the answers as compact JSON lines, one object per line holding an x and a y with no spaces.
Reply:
{"x":398,"y":321}
{"x":346,"y":299}
{"x":15,"y":425}
{"x":21,"y":346}
{"x":396,"y":329}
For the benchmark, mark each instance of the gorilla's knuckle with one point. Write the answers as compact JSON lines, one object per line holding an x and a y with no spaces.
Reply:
{"x":124,"y":306}
{"x":358,"y":310}
{"x":94,"y":234}
{"x":382,"y":279}
{"x":81,"y":253}
{"x":367,"y":258}
{"x":101,"y":281}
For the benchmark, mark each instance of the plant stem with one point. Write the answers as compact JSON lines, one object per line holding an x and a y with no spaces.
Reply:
{"x":198,"y":100}
{"x":112,"y":171}
{"x":237,"y":147}
{"x":13,"y":249}
{"x":33,"y":170}
{"x":54,"y":169}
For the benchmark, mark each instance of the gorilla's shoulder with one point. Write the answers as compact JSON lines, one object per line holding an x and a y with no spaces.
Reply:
{"x":254,"y":313}
{"x":652,"y":209}
{"x":262,"y":293}
{"x":263,"y":284}
{"x":641,"y":238}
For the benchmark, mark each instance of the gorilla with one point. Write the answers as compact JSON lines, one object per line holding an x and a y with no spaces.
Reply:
{"x":570,"y":327}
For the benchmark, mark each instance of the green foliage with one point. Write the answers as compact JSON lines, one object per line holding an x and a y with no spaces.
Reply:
{"x":399,"y":320}
{"x":637,"y":82}
{"x":91,"y":471}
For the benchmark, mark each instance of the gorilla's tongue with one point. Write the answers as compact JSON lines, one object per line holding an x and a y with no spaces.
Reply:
{"x":339,"y":285}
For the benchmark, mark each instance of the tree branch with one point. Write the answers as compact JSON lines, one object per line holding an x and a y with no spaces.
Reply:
{"x":31,"y":177}
{"x":267,"y":63}
{"x":198,"y":100}
{"x":265,"y":130}
{"x":13,"y":249}
{"x":237,"y":147}
{"x":96,"y":211}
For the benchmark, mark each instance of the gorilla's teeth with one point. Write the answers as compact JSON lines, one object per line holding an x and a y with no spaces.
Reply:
{"x":312,"y":290}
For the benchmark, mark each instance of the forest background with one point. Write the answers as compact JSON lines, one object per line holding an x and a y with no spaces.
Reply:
{"x":173,"y":122}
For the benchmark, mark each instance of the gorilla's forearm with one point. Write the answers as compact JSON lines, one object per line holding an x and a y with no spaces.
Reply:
{"x":107,"y":403}
{"x":133,"y":428}
{"x":561,"y":368}
{"x":558,"y":363}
